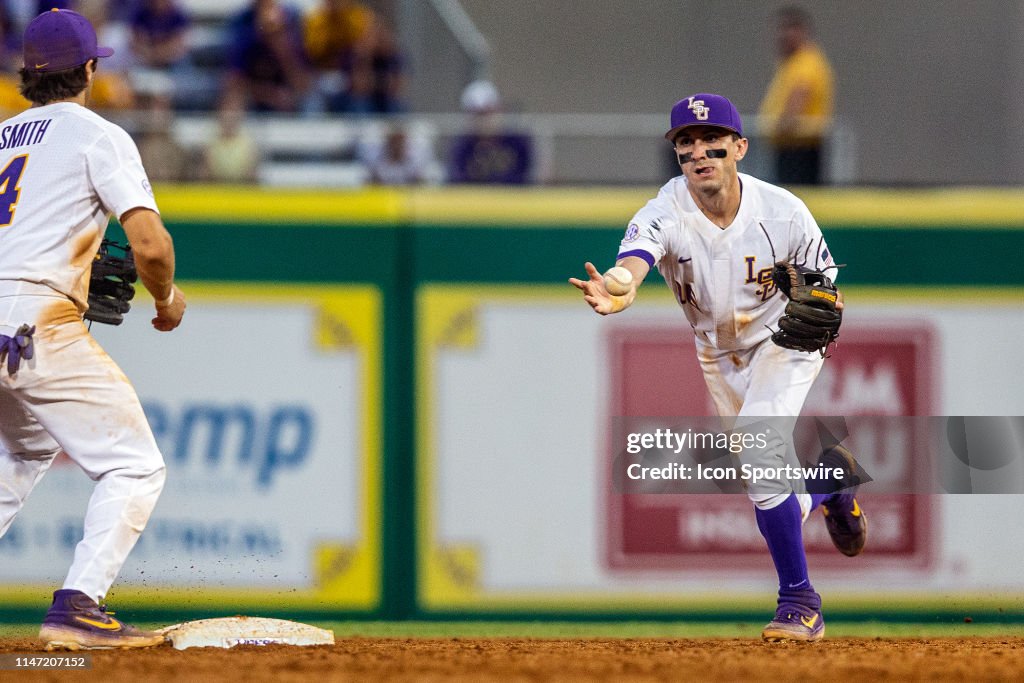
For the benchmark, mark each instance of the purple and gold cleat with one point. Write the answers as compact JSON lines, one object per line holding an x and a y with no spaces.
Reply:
{"x":795,"y":622}
{"x":76,"y":622}
{"x":846,"y":523}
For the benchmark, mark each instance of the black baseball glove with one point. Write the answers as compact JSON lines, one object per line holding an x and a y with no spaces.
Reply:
{"x":811,"y":322}
{"x":110,"y":285}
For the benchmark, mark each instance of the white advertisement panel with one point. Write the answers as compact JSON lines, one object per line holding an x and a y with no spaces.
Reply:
{"x":517,"y":387}
{"x":266,"y":406}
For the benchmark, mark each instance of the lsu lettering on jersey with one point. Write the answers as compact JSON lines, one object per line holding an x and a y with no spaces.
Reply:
{"x":722,"y":278}
{"x":58,"y":161}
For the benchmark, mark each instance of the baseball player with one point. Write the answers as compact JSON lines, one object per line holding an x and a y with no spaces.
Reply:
{"x":715,"y":235}
{"x":65,"y":171}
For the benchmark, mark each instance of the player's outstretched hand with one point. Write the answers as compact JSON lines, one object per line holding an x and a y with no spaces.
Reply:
{"x":168,"y":317}
{"x":594,"y":292}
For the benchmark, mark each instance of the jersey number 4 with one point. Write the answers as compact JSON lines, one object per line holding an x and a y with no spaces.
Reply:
{"x":9,"y":190}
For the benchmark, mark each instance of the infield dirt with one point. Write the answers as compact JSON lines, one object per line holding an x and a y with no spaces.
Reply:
{"x":490,"y":659}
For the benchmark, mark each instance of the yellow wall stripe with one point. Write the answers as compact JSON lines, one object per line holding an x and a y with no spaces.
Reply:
{"x":230,"y":204}
{"x":544,"y":207}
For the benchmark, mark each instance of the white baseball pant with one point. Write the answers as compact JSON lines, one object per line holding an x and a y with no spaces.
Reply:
{"x":72,"y":396}
{"x":765,"y":381}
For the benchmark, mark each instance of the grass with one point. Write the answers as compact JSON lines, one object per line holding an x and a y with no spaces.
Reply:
{"x":640,"y":629}
{"x":630,"y":629}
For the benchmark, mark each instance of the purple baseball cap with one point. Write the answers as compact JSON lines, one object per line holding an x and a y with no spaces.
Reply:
{"x":704,"y":109}
{"x":60,"y":39}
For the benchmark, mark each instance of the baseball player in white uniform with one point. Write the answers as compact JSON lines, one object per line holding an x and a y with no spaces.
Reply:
{"x":715,"y":234}
{"x":65,"y":171}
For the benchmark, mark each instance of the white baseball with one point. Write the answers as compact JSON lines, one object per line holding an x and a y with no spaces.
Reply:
{"x":618,"y":281}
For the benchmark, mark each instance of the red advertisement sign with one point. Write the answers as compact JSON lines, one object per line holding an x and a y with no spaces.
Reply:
{"x":875,"y":372}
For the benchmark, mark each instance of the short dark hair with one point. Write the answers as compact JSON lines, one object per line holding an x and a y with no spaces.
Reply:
{"x":43,"y":87}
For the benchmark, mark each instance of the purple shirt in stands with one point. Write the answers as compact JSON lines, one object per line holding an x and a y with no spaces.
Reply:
{"x":249,"y":52}
{"x":499,"y":159}
{"x":159,"y":26}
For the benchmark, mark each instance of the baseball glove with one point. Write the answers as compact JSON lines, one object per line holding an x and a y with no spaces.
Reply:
{"x":811,"y":321}
{"x":110,"y":284}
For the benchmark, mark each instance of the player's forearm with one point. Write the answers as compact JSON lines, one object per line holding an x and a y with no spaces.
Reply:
{"x":153,"y":249}
{"x":157,"y":273}
{"x":637,"y":267}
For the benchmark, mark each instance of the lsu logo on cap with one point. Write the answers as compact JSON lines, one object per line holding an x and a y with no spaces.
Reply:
{"x":700,"y":111}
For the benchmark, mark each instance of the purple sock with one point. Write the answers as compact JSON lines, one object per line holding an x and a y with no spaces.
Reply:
{"x":819,"y":498}
{"x":781,"y":528}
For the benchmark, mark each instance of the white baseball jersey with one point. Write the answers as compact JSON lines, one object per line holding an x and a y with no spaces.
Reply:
{"x":722,"y":278}
{"x":61,"y":162}
{"x":63,"y":172}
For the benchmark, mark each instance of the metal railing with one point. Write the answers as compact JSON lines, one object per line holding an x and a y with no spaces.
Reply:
{"x":569,"y":149}
{"x":466,"y":34}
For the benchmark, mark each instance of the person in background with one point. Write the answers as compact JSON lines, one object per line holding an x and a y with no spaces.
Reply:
{"x":164,"y":158}
{"x":267,"y":66}
{"x":337,"y":37}
{"x":361,"y":68}
{"x":489,"y":153}
{"x":232,"y":156}
{"x":399,"y":157}
{"x":159,"y":31}
{"x":47,"y":5}
{"x":387,"y":68}
{"x":11,"y":100}
{"x":797,"y":107}
{"x":112,"y":87}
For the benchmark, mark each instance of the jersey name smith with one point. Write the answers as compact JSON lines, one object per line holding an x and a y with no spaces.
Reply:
{"x":20,"y":134}
{"x":56,"y":159}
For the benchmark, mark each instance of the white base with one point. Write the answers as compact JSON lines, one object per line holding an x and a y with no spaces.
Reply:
{"x":230,"y":631}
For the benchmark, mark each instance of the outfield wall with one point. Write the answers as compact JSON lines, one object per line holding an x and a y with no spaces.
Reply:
{"x":391,"y":404}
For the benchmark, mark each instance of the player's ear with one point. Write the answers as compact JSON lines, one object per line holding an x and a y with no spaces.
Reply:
{"x":741,"y":148}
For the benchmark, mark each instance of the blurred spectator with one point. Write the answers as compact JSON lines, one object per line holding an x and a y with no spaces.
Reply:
{"x":797,"y":107}
{"x":387,"y":65}
{"x":160,"y":40}
{"x":47,"y":5}
{"x":158,"y":34}
{"x":399,"y":157}
{"x":11,"y":101}
{"x":336,"y":27}
{"x":165,"y":160}
{"x":359,"y":62}
{"x":489,"y":153}
{"x":267,"y":63}
{"x":232,"y":156}
{"x":112,"y":86}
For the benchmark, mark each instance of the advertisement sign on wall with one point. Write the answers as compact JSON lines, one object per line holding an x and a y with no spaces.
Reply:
{"x":518,"y":389}
{"x":266,"y":405}
{"x":890,"y":372}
